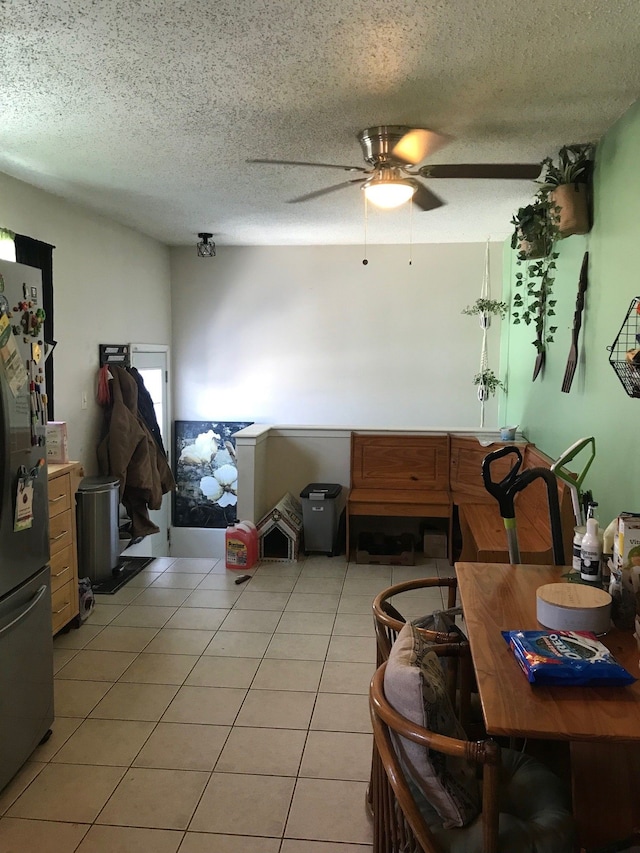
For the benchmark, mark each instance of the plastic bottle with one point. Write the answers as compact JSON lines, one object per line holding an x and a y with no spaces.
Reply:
{"x":578,"y":534}
{"x":591,"y":552}
{"x":238,"y":547}
{"x":250,"y":528}
{"x":607,"y":549}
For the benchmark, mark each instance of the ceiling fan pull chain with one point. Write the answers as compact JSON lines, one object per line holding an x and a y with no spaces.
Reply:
{"x":410,"y":234}
{"x":366,"y":212}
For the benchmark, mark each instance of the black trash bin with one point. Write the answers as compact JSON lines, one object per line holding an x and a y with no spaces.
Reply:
{"x":98,"y":537}
{"x":320,"y":516}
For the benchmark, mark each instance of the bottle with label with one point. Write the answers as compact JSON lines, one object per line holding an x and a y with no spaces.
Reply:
{"x":591,"y":552}
{"x":607,"y":549}
{"x":578,"y":535}
{"x":251,"y":530}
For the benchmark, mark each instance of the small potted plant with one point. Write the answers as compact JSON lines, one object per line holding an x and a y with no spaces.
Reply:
{"x":488,"y":383}
{"x":565,"y":186}
{"x":484,"y":308}
{"x":533,"y":230}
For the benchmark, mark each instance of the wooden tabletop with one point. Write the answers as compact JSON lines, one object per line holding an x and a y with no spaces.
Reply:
{"x":497,"y":597}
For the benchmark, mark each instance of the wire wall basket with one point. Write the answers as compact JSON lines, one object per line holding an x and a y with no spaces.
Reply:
{"x":624,"y":353}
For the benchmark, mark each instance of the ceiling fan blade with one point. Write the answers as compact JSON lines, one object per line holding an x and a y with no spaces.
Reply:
{"x":318,"y":193}
{"x":498,"y":171}
{"x":304,"y":163}
{"x":425,"y":199}
{"x":418,"y":144}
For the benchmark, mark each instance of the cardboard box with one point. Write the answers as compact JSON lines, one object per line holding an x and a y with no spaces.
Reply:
{"x":627,"y":542}
{"x":57,"y":446}
{"x":434,"y":544}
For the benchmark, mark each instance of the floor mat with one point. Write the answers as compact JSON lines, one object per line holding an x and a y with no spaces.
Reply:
{"x":128,"y":567}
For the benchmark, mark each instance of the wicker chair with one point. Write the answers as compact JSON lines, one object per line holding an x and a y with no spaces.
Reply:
{"x":388,"y":621}
{"x":400,"y":825}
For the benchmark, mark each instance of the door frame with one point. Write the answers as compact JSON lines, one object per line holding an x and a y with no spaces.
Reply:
{"x":133,"y":348}
{"x":166,"y":427}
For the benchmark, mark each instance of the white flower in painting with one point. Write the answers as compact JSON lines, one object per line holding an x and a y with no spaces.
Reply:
{"x":202,"y":450}
{"x":221,"y":488}
{"x":211,"y":488}
{"x":223,"y":457}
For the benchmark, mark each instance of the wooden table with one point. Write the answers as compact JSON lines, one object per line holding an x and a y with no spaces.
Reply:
{"x":602,"y":724}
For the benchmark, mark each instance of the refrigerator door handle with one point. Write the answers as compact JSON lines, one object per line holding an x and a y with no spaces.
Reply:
{"x":34,"y":601}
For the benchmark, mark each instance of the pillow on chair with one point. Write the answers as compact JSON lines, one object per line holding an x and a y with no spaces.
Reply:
{"x":443,"y":621}
{"x":415,"y":685}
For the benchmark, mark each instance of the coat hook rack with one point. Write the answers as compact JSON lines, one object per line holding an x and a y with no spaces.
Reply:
{"x":117,"y":354}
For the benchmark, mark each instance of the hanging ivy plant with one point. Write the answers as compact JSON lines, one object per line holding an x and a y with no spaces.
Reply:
{"x":533,"y":300}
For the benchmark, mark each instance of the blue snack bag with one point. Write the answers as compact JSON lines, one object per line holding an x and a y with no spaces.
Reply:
{"x":566,"y":657}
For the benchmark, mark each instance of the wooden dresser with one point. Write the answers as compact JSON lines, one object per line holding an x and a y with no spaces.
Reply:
{"x":63,"y":484}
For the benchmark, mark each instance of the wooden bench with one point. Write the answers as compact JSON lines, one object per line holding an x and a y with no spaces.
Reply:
{"x":426,"y":475}
{"x":400,"y":475}
{"x":484,"y":538}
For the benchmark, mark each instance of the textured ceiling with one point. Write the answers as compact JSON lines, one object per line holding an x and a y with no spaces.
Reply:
{"x":146,"y":110}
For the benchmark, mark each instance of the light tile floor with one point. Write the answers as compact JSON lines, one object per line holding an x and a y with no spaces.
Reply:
{"x":197,"y":715}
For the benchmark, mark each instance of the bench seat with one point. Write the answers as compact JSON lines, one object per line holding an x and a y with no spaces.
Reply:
{"x":484,"y":539}
{"x":430,"y":475}
{"x":395,"y":501}
{"x":400,"y":475}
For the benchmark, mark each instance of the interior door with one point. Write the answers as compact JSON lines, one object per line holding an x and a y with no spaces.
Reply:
{"x":152,"y":362}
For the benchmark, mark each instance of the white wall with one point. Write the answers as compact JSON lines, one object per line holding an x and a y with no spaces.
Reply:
{"x":308,"y":335}
{"x":111,"y":285}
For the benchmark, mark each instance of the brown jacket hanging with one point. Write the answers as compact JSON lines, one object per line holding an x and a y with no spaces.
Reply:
{"x":129,"y":452}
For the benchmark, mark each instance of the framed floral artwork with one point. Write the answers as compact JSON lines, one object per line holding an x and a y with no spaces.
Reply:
{"x":206,"y":473}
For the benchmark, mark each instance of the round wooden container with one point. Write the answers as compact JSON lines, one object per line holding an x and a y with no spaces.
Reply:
{"x":573,"y":607}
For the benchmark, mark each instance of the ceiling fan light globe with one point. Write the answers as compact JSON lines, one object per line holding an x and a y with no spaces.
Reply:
{"x":389,"y":194}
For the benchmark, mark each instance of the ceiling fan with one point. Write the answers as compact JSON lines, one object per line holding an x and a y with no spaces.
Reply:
{"x":390,"y":151}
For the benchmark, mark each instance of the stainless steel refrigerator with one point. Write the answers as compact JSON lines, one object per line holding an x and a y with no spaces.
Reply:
{"x":26,"y":654}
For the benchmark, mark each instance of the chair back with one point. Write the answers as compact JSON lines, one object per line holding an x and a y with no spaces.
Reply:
{"x":388,"y":621}
{"x":399,"y":826}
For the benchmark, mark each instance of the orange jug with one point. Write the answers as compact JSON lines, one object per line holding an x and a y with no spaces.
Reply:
{"x":240,"y":546}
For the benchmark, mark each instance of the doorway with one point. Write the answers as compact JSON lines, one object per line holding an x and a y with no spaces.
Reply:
{"x":152,"y":362}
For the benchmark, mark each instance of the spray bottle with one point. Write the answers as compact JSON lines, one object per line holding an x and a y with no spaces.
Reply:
{"x":591,"y":552}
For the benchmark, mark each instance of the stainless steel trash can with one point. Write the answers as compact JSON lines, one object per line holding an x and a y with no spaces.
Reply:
{"x":98,"y":538}
{"x":320,"y":516}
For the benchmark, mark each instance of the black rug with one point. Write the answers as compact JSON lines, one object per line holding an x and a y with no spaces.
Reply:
{"x":128,"y":567}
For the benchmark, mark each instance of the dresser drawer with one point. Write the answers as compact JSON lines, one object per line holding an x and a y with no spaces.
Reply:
{"x":59,"y":495}
{"x":60,"y":531}
{"x":61,"y":568}
{"x":62,"y":606}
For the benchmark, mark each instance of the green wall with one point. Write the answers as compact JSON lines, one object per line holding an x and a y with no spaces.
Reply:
{"x":597,"y":403}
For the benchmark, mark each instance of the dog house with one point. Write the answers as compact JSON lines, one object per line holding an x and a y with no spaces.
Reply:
{"x":280,"y":530}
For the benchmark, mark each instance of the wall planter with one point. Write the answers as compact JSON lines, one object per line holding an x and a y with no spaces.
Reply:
{"x":565,"y":189}
{"x":569,"y":205}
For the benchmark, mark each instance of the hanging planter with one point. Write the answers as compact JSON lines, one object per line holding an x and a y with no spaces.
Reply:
{"x":488,"y":383}
{"x":483,"y":308}
{"x":531,"y":236}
